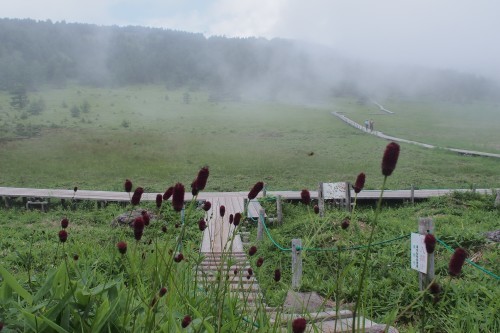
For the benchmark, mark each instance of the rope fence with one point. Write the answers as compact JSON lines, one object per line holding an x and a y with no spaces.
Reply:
{"x":358,"y":247}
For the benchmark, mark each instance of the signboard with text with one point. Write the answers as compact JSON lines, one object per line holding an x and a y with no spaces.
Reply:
{"x":418,"y":253}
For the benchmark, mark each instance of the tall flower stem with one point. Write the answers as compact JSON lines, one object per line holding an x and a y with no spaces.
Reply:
{"x":367,"y":253}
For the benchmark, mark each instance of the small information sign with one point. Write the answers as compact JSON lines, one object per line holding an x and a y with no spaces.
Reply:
{"x":418,"y":253}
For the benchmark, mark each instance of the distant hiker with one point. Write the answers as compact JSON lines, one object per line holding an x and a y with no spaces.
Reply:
{"x":366,"y":125}
{"x":371,"y":125}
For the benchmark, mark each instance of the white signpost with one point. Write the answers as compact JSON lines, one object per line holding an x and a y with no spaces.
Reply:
{"x":418,"y":253}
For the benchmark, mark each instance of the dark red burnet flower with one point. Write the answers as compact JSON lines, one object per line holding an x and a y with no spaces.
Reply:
{"x":235,"y":271}
{"x":206,"y":206}
{"x":252,"y":250}
{"x":178,"y":257}
{"x":145,"y":217}
{"x":136,"y":197}
{"x":162,"y":292}
{"x":75,"y":189}
{"x":164,"y":228}
{"x":75,"y":257}
{"x":345,"y":223}
{"x":168,"y":193}
{"x":122,"y":247}
{"x":390,"y":158}
{"x":430,"y":243}
{"x":231,"y":218}
{"x":277,"y":275}
{"x":250,"y":271}
{"x":237,"y":219}
{"x":194,"y":188}
{"x":202,"y":225}
{"x":186,"y":321}
{"x":63,"y":236}
{"x":457,"y":261}
{"x":138,"y":227}
{"x":127,"y":186}
{"x":159,"y":199}
{"x":260,"y":261}
{"x":178,"y":197}
{"x":222,"y":210}
{"x":201,"y":180}
{"x":1,"y":325}
{"x":299,"y":325}
{"x":435,"y":288}
{"x":305,"y":197}
{"x":316,"y":209}
{"x":255,"y":190}
{"x":64,"y":223}
{"x":360,"y":183}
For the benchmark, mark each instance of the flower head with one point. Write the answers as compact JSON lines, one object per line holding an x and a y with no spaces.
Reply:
{"x":299,"y":325}
{"x":122,"y":247}
{"x":163,"y":291}
{"x":64,"y":223}
{"x":260,"y":261}
{"x":145,"y":217}
{"x":222,"y":210}
{"x":178,"y":257}
{"x":164,"y":228}
{"x":178,"y":197}
{"x":255,"y":190}
{"x":231,"y":218}
{"x":457,"y":261}
{"x":345,"y":223}
{"x":316,"y":209}
{"x":194,"y":188}
{"x":237,"y":219}
{"x":186,"y":321}
{"x":206,"y":206}
{"x":159,"y":199}
{"x":202,"y":225}
{"x":252,"y":250}
{"x":277,"y":275}
{"x":75,"y":189}
{"x":360,"y":183}
{"x":250,"y":271}
{"x":305,"y":197}
{"x":430,"y":243}
{"x":63,"y":236}
{"x":390,"y":158}
{"x":127,"y":186}
{"x":201,"y":180}
{"x":75,"y":257}
{"x":138,"y":227}
{"x":168,"y":193}
{"x":136,"y":197}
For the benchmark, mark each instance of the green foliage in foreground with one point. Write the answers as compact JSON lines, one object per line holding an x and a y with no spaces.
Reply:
{"x":44,"y":289}
{"x":468,"y":304}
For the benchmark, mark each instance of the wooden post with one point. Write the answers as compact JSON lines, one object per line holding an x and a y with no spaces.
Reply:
{"x":245,"y":208}
{"x":321,"y":200}
{"x":497,"y":200}
{"x":412,"y":194}
{"x":348,"y":196}
{"x":296,"y":263}
{"x":279,"y":210}
{"x":260,"y":225}
{"x":264,"y":191}
{"x":426,"y":226}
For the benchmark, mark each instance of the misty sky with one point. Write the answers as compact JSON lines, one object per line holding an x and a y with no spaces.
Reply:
{"x":458,"y":34}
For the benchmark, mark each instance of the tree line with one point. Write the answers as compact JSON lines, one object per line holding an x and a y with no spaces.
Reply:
{"x":34,"y":53}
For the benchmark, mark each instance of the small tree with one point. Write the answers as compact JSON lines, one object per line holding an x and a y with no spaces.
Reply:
{"x":85,"y":108}
{"x":36,"y":107}
{"x":19,"y":97}
{"x":75,"y":111}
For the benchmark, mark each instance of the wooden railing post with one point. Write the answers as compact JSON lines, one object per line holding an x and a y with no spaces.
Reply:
{"x":497,"y":199}
{"x":296,"y":263}
{"x":321,"y":200}
{"x":260,"y":225}
{"x":412,"y":194}
{"x":279,"y":210}
{"x":426,"y":226}
{"x":348,"y":196}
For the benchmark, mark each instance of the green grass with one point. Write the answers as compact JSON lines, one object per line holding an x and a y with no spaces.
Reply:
{"x":290,"y":147}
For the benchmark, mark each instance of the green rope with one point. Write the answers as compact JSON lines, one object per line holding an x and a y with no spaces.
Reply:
{"x":484,"y":270}
{"x":356,"y":247}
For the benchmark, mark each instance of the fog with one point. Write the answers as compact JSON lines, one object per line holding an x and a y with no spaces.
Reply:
{"x":373,"y":48}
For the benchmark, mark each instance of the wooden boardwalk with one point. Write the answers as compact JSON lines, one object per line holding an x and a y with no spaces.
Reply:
{"x":10,"y":193}
{"x":425,"y":145}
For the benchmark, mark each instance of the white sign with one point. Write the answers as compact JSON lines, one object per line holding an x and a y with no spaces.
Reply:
{"x":334,"y":190}
{"x":418,"y":253}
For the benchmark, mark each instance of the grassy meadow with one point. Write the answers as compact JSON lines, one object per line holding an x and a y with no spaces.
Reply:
{"x":151,"y":135}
